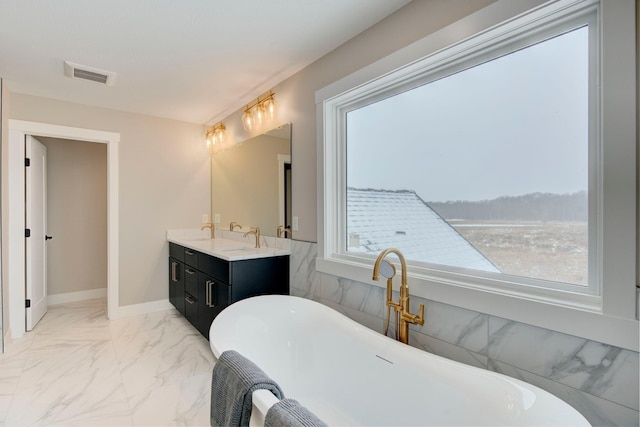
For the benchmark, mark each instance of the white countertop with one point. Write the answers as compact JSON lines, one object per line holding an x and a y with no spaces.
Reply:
{"x":229,"y":250}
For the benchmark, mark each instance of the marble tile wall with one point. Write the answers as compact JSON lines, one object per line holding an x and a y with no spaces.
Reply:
{"x":599,"y":380}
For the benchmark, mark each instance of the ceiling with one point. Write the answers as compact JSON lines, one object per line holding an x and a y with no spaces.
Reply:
{"x":195,"y":61}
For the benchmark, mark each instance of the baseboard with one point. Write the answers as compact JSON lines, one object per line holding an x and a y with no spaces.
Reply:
{"x":144,"y":308}
{"x":76,"y":296}
{"x":8,"y":339}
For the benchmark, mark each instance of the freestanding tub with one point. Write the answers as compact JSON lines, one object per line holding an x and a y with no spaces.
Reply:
{"x":348,"y":374}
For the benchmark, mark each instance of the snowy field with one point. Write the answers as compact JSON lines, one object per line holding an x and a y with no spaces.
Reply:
{"x":545,"y":250}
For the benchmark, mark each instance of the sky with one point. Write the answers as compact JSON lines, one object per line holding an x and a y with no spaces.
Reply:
{"x":511,"y":126}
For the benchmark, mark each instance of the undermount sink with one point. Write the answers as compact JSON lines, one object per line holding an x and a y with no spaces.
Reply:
{"x":237,"y":249}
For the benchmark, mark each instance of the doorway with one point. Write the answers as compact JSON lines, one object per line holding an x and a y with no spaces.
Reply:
{"x":76,"y":220}
{"x":14,"y":211}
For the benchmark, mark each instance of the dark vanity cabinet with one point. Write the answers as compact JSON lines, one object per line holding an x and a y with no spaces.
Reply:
{"x":201,"y":286}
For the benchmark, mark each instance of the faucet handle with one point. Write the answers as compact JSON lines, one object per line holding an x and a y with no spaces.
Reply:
{"x":420,"y":319}
{"x":417,"y":319}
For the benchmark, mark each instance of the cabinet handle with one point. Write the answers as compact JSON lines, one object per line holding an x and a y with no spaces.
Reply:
{"x":174,"y":271}
{"x":210,"y":292}
{"x":190,"y":300}
{"x":207,"y":291}
{"x":188,"y":252}
{"x":188,"y":271}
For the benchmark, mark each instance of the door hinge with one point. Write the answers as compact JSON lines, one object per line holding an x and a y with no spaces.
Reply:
{"x":27,"y":232}
{"x":27,"y":303}
{"x":27,"y":162}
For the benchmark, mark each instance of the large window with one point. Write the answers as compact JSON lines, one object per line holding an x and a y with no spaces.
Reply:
{"x":486,"y":168}
{"x":499,"y":156}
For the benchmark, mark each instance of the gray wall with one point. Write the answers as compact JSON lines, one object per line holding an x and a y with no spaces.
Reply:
{"x":76,"y":215}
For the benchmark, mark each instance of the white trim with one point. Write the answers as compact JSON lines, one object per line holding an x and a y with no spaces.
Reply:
{"x":15,"y":181}
{"x":76,"y":296}
{"x":610,"y":319}
{"x":144,"y":308}
{"x":8,"y":339}
{"x":282,"y":160}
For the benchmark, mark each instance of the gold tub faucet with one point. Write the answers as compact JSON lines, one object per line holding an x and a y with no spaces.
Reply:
{"x":234,"y":225}
{"x":401,"y":309}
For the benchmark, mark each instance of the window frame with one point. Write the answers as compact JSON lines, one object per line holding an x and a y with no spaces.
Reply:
{"x":444,"y":53}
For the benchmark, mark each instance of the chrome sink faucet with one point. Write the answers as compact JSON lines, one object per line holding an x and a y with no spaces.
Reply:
{"x":212,"y":227}
{"x":256,"y":231}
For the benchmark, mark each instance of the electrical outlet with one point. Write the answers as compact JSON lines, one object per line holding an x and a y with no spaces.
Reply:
{"x":294,"y":223}
{"x":216,"y":218}
{"x":205,"y":218}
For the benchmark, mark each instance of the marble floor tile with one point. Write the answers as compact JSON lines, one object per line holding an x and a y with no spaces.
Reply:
{"x":78,"y":368}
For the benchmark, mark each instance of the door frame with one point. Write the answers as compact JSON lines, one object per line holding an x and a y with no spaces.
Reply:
{"x":14,"y":223}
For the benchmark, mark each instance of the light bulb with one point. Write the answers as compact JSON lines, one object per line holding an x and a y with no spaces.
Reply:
{"x":247,"y":121}
{"x":270,"y":108}
{"x":258,"y":114}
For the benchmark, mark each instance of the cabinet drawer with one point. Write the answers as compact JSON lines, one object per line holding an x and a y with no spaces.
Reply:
{"x":214,"y":267}
{"x":176,"y":251}
{"x":191,"y":308}
{"x":191,"y":257}
{"x":191,"y":280}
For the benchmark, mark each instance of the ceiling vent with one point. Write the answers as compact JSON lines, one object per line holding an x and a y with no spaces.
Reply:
{"x":78,"y":71}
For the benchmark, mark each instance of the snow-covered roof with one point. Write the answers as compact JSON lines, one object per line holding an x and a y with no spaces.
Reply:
{"x":380,"y":219}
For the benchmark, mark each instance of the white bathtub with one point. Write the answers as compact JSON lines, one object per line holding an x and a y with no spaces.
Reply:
{"x":348,"y":374}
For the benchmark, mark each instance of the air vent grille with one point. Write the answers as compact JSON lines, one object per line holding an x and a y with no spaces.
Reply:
{"x":78,"y":71}
{"x":90,"y":75}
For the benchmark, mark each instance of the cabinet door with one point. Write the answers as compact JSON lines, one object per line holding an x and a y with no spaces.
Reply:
{"x":176,"y":284}
{"x":214,"y":297}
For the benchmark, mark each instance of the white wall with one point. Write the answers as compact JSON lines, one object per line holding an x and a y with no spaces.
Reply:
{"x":164,"y":182}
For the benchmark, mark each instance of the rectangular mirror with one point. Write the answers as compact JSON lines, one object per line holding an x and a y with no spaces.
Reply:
{"x":251,"y":183}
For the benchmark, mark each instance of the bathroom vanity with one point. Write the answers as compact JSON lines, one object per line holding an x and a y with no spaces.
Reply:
{"x":205,"y":276}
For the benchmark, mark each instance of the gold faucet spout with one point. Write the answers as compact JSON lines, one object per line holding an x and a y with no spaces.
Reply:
{"x":404,"y":317}
{"x":234,"y":225}
{"x":256,"y":232}
{"x":210,"y":226}
{"x":281,"y":231}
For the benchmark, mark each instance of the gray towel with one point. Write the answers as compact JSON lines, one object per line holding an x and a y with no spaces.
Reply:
{"x":233,"y":380}
{"x":290,"y":413}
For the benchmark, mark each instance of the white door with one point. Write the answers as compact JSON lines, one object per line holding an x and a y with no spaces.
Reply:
{"x":36,"y":224}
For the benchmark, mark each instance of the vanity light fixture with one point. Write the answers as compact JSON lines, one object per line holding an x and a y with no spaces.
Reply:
{"x":258,"y":113}
{"x":215,"y":136}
